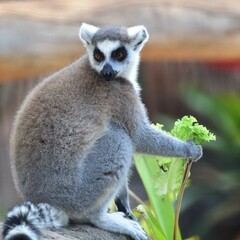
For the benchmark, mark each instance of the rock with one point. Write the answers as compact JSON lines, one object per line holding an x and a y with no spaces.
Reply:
{"x":80,"y":232}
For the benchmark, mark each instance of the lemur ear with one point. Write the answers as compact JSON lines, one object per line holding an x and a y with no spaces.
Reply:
{"x":86,"y":33}
{"x":138,"y":37}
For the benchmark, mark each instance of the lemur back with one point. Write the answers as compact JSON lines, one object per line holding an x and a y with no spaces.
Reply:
{"x":75,"y":134}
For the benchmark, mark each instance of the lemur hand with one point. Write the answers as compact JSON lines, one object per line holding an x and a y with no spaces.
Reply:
{"x":194,"y":151}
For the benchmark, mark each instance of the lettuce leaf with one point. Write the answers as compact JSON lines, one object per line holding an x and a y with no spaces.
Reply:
{"x":168,"y":180}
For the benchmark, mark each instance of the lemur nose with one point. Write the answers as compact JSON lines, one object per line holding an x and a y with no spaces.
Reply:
{"x":108,"y":73}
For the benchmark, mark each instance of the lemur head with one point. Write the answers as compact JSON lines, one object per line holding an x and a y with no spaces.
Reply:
{"x":114,"y":51}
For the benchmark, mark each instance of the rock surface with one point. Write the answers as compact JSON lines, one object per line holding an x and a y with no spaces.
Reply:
{"x":80,"y":232}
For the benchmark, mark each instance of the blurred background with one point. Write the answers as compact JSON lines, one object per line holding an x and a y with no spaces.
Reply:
{"x":191,"y":65}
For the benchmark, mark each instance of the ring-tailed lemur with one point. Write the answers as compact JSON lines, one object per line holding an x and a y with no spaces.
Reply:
{"x":74,"y":137}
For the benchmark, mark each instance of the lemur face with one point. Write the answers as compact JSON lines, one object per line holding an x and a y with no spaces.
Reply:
{"x":113,"y":50}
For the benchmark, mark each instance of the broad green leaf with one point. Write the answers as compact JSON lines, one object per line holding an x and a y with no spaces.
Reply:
{"x":162,"y":206}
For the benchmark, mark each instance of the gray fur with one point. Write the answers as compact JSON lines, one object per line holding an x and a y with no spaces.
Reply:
{"x":73,"y":140}
{"x":113,"y":33}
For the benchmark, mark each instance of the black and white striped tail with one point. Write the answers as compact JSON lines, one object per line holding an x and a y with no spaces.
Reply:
{"x":25,"y":221}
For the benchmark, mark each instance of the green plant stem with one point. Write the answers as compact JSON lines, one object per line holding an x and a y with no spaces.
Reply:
{"x":180,"y":196}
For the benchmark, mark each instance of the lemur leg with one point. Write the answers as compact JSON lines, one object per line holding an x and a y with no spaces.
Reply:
{"x":122,"y":202}
{"x":109,"y":163}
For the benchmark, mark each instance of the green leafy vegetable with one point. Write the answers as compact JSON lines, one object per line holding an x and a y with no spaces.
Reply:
{"x":169,"y":179}
{"x":162,"y":178}
{"x":188,"y":128}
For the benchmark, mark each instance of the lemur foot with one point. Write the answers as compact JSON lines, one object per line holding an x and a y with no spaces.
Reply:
{"x":117,"y":222}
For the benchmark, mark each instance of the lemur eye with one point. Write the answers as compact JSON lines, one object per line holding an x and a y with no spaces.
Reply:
{"x":120,"y":54}
{"x":98,"y":55}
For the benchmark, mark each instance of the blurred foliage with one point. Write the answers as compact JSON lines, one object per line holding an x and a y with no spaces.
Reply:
{"x":216,"y":194}
{"x":223,"y":112}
